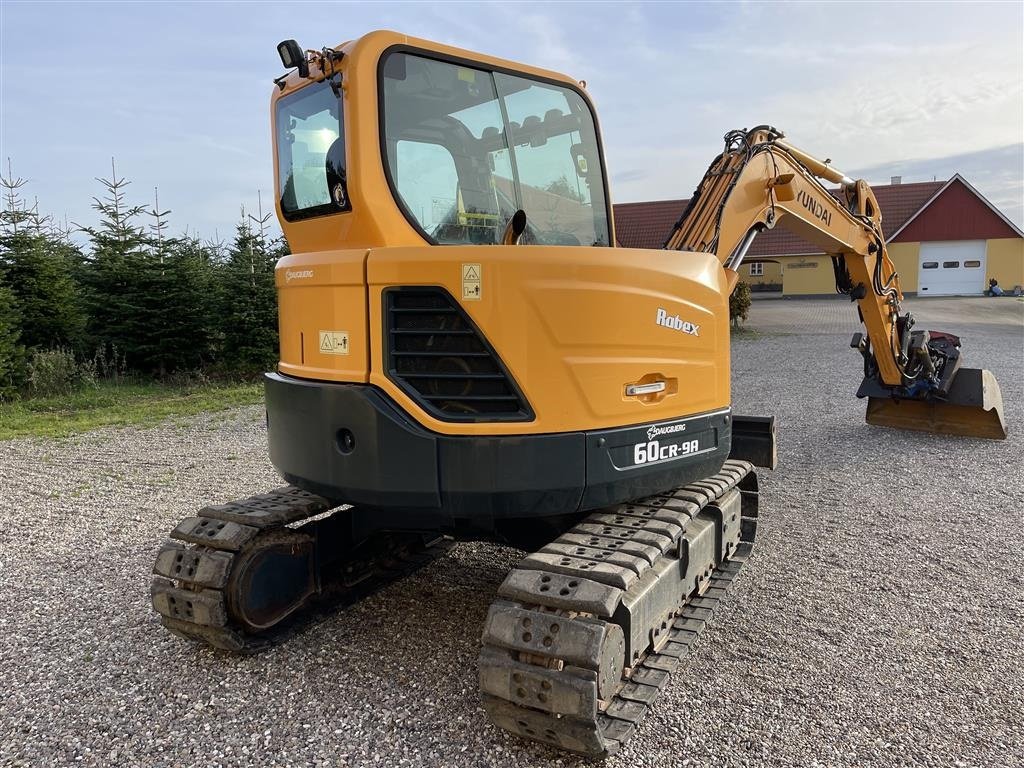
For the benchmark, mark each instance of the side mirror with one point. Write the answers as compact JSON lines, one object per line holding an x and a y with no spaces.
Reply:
{"x":292,"y":57}
{"x":515,"y":228}
{"x":337,"y":185}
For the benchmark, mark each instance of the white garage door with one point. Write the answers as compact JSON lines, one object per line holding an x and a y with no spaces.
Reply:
{"x":950,"y":269}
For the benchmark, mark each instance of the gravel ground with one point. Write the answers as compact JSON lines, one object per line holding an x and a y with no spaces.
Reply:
{"x":878,"y":624}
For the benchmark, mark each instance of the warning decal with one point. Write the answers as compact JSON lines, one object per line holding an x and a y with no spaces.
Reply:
{"x":334,"y":342}
{"x":472,"y":282}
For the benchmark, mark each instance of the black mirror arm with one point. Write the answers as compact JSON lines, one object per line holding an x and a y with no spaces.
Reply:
{"x":515,"y":228}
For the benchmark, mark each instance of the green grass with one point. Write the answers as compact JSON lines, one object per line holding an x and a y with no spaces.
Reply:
{"x":746,"y":332}
{"x":119,"y":405}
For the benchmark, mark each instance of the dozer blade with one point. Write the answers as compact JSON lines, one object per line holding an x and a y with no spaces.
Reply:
{"x":973,"y":408}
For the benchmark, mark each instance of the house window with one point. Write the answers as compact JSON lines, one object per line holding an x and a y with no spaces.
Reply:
{"x":757,"y":269}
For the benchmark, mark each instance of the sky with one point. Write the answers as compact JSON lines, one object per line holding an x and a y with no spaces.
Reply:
{"x":178,"y":93}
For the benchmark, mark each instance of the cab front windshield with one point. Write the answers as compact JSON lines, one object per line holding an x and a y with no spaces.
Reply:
{"x":465,"y":148}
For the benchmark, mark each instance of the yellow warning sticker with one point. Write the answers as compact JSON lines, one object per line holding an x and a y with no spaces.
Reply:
{"x":468,"y":75}
{"x":472,"y":282}
{"x":334,"y":342}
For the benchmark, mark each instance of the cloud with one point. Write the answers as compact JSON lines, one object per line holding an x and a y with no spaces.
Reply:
{"x":868,"y":86}
{"x":633,"y":175}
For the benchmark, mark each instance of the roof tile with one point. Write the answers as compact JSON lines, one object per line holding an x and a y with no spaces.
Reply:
{"x":648,"y":224}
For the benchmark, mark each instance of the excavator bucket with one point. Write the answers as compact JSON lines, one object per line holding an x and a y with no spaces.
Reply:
{"x":973,"y":408}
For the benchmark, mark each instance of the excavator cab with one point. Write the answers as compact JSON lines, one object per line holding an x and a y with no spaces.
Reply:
{"x":463,"y":147}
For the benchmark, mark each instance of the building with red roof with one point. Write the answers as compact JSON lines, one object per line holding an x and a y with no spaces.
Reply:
{"x":944,"y":237}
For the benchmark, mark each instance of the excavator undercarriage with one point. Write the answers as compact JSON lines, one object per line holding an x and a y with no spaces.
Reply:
{"x":581,"y":640}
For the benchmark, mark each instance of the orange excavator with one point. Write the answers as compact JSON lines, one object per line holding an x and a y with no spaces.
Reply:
{"x":465,"y":354}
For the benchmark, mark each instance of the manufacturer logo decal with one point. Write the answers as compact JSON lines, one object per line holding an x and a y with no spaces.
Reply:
{"x":653,"y":432}
{"x":676,"y":323}
{"x":816,"y":209}
{"x":297,"y":275}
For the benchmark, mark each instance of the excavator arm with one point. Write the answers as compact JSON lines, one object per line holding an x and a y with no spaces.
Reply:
{"x":912,"y":378}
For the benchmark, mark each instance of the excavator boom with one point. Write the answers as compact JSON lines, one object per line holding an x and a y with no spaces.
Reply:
{"x":912,"y":378}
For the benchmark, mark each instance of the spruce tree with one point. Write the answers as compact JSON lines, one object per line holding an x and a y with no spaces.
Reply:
{"x":249,"y":301}
{"x":37,"y":264}
{"x":182,"y":316}
{"x":115,"y":275}
{"x":12,"y":353}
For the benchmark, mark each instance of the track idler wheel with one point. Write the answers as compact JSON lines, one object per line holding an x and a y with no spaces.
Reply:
{"x":240,"y":576}
{"x":272,"y":578}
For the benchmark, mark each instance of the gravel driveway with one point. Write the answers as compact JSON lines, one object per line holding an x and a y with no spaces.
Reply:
{"x":879,"y":622}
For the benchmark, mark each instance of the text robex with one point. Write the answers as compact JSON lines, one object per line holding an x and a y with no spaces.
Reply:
{"x":676,"y":323}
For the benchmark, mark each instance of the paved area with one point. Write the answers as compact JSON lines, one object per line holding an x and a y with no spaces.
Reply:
{"x":878,"y":624}
{"x":838,"y":315}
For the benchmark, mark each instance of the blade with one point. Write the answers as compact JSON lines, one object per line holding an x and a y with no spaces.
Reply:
{"x":974,"y":408}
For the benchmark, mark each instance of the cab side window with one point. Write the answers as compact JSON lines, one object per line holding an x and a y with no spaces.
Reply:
{"x":311,"y":152}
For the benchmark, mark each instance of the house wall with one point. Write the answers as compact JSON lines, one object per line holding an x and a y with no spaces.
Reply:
{"x":807,"y":276}
{"x":1004,"y":260}
{"x":906,"y":257}
{"x":956,"y":214}
{"x":772,"y":273}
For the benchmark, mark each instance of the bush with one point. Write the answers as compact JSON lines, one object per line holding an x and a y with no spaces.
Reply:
{"x":54,"y":372}
{"x":109,"y":364}
{"x":87,"y":374}
{"x":185,"y":379}
{"x":739,"y":303}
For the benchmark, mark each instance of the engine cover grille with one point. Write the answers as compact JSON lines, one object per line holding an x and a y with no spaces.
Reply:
{"x":437,"y":356}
